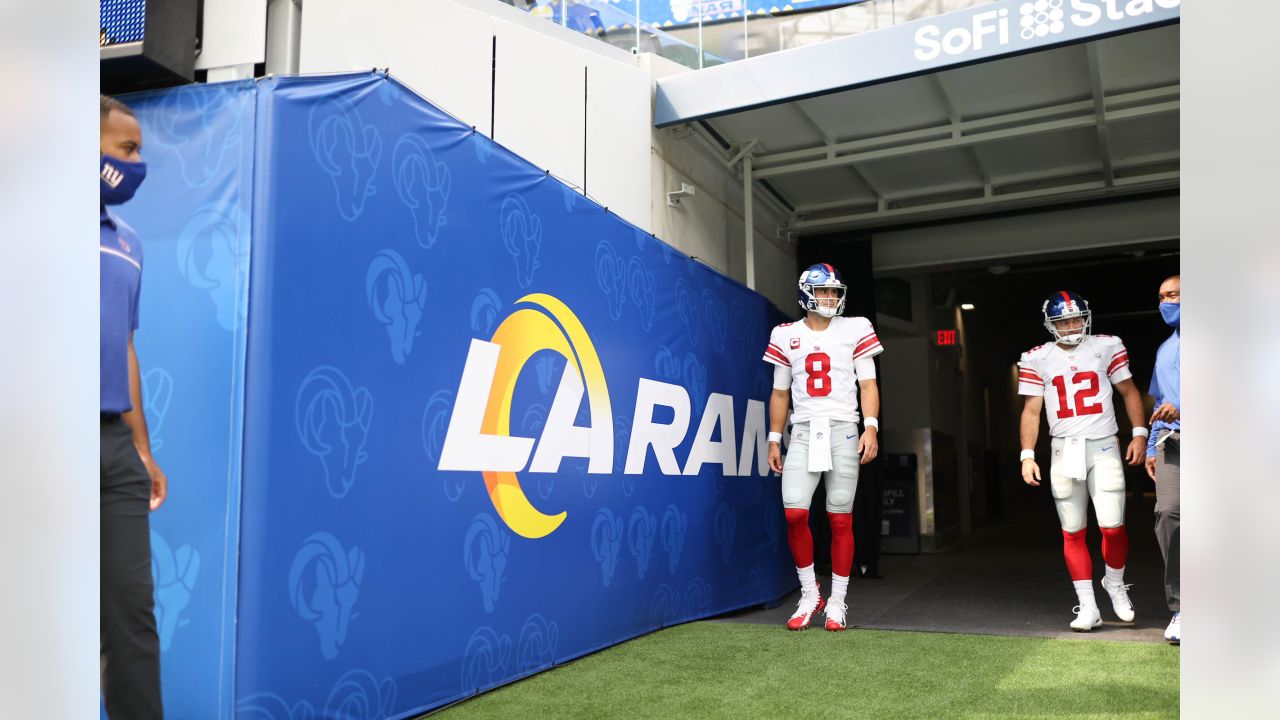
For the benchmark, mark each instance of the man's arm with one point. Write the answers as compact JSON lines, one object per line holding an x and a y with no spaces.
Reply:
{"x":779,"y":404}
{"x":1028,"y":433}
{"x":136,"y":419}
{"x":1133,"y":408}
{"x":869,"y":443}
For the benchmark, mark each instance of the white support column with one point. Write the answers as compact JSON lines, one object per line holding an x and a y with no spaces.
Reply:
{"x":284,"y":35}
{"x":748,"y":221}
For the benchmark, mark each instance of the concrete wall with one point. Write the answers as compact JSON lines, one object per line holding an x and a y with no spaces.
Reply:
{"x":574,"y":105}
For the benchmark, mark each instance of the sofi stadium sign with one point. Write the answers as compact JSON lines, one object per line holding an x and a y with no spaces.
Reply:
{"x":1032,"y":22}
{"x":479,"y":434}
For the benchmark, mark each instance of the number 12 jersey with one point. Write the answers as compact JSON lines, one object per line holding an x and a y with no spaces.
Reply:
{"x":1076,"y":384}
{"x":823,"y":380}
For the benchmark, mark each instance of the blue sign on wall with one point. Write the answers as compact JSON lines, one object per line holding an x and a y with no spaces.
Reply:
{"x":193,"y":216}
{"x":487,"y":425}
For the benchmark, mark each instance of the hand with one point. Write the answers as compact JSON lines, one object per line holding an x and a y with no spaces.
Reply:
{"x":1151,"y":467}
{"x":869,"y":445}
{"x":1031,"y":473}
{"x":775,"y":457}
{"x":1136,"y":452}
{"x":1166,"y":412}
{"x":159,"y":481}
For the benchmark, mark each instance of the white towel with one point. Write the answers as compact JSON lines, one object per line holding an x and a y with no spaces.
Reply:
{"x":1074,"y":458}
{"x":819,"y":445}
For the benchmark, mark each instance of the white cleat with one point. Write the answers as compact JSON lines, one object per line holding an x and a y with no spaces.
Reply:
{"x":1119,"y":600}
{"x":810,"y":604}
{"x":835,"y":615}
{"x":1087,"y":618}
{"x":1173,"y":633}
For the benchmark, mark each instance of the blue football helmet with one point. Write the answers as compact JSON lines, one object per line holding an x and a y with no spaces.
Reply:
{"x":816,"y":276}
{"x":1064,"y":305}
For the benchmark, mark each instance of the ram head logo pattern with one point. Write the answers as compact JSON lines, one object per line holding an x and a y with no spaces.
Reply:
{"x":398,"y":297}
{"x":674,"y":526}
{"x":522,"y":235}
{"x":484,"y":311}
{"x":348,"y":150}
{"x":359,"y":696}
{"x":324,"y":584}
{"x":640,"y":534}
{"x":157,"y":391}
{"x":185,"y":123}
{"x":484,"y":662}
{"x":537,"y":646}
{"x":175,"y":574}
{"x":642,"y":287}
{"x":333,"y":419}
{"x":606,"y":542}
{"x":485,"y":553}
{"x":726,"y":524}
{"x":423,"y":185}
{"x":213,"y":254}
{"x":435,"y":423}
{"x":610,"y":274}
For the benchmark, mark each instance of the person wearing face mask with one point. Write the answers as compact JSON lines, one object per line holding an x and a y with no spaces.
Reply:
{"x":131,"y":483}
{"x":1163,"y":449}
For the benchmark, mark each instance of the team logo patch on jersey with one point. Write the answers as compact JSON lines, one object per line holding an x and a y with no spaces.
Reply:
{"x":123,"y":245}
{"x":795,"y":343}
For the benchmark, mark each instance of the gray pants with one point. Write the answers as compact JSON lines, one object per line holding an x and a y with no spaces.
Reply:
{"x":1168,"y":513}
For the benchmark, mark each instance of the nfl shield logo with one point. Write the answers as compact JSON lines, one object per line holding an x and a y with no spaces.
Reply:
{"x":123,"y":245}
{"x":795,"y":343}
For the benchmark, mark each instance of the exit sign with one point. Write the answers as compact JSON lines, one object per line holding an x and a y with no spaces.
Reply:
{"x":945,"y":338}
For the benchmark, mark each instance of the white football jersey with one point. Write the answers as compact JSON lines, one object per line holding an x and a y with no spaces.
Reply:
{"x":823,"y":381}
{"x":1076,"y":384}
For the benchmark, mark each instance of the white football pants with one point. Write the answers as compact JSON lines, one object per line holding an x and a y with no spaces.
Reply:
{"x":1104,"y":482}
{"x":798,"y":483}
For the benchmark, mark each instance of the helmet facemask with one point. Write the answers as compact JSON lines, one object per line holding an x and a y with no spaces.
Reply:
{"x":1070,"y":338}
{"x":824,"y":306}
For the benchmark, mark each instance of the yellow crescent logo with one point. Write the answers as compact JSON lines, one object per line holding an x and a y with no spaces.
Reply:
{"x":549,"y":325}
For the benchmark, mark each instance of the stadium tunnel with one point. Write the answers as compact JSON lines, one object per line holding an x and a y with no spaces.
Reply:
{"x":986,"y":184}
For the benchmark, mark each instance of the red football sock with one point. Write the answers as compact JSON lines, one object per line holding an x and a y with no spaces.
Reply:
{"x":799,"y":537}
{"x":1076,"y":550}
{"x":841,"y":543}
{"x":1115,"y":546}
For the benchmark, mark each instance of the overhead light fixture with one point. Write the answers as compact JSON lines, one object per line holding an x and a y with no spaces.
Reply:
{"x":966,"y":306}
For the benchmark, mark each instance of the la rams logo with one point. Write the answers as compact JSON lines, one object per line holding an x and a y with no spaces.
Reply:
{"x":545,"y":323}
{"x":479,"y":438}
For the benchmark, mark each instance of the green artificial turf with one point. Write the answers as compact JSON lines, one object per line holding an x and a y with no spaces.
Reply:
{"x":725,"y":670}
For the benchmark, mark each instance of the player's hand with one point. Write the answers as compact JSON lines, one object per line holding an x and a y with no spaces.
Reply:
{"x":159,"y":481}
{"x":1136,"y":452}
{"x":1151,"y":467}
{"x":1031,"y":473}
{"x":869,"y":445}
{"x":1166,"y":412}
{"x":775,"y":457}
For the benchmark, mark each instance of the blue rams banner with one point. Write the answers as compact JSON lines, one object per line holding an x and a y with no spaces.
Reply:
{"x":487,"y":425}
{"x":193,"y":218}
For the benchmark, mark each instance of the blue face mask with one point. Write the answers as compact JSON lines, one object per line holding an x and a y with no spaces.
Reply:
{"x":1169,"y":311}
{"x":119,"y":179}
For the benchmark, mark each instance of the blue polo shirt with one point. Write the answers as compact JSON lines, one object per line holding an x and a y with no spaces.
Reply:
{"x":120,"y":259}
{"x":1166,"y":385}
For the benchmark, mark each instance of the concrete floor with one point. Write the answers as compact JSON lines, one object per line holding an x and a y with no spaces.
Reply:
{"x":1007,"y":578}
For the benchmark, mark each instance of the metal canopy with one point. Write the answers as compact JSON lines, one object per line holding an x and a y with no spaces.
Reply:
{"x":1078,"y":122}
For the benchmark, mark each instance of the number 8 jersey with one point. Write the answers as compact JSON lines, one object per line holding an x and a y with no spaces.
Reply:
{"x":1076,"y":396}
{"x":823,"y":380}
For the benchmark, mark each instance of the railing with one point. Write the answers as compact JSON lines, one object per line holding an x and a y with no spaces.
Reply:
{"x":702,"y":33}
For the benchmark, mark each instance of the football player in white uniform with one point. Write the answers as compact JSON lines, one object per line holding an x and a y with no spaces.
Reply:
{"x":1071,"y":378}
{"x":821,"y":362}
